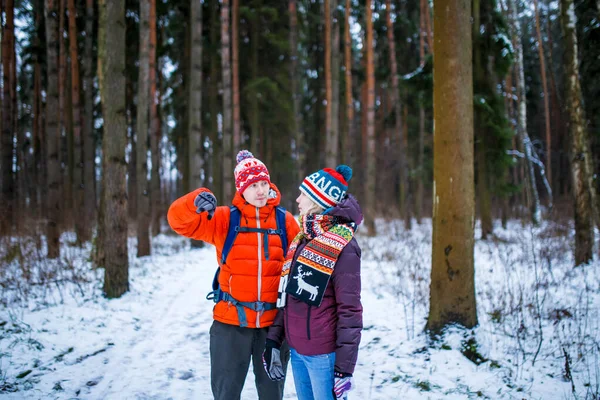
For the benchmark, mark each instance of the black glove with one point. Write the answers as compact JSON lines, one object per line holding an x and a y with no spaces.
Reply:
{"x":272,"y":361}
{"x":206,"y":201}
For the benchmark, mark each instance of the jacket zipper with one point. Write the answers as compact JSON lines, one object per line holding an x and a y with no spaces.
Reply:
{"x":259,"y":264}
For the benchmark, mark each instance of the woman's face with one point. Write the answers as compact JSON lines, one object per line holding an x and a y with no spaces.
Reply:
{"x":305,"y":204}
{"x":257,"y":194}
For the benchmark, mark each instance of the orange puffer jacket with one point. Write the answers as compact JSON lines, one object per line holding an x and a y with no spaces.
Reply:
{"x":247,"y":276}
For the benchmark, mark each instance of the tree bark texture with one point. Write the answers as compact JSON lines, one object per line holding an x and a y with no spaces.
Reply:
{"x":330,"y":143}
{"x":52,"y":130}
{"x":8,"y":182}
{"x":143,"y":109}
{"x":398,"y":128}
{"x":89,"y":141}
{"x":545,"y":93}
{"x":78,"y":183}
{"x":116,"y":265}
{"x":227,"y":165}
{"x":295,"y":86}
{"x":452,"y":291}
{"x":527,"y":147}
{"x":371,"y":161}
{"x":335,"y":84}
{"x":237,"y":131}
{"x":580,"y":155}
{"x":350,"y":129}
{"x":155,"y":195}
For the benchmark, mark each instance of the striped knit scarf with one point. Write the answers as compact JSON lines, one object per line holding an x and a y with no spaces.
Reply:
{"x":307,"y":279}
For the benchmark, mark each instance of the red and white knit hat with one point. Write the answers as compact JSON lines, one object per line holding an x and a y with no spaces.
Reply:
{"x":249,"y":170}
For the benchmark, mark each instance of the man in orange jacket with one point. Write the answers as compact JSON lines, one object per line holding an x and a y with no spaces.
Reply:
{"x":249,"y":276}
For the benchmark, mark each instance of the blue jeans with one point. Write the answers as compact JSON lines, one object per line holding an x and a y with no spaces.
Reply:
{"x":313,"y":375}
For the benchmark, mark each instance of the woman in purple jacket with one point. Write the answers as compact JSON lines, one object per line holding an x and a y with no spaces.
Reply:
{"x":320,"y":312}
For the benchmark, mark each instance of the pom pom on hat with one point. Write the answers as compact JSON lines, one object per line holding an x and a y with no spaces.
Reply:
{"x":249,"y":170}
{"x":242,"y":155}
{"x":345,"y":171}
{"x":327,"y":187}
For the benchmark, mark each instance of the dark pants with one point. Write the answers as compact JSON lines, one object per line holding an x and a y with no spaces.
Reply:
{"x":231,"y":348}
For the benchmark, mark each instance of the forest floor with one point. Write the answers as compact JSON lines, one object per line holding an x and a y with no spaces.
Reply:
{"x":538,"y":335}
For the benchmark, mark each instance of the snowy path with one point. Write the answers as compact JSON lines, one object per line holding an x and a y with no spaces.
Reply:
{"x":153,"y":343}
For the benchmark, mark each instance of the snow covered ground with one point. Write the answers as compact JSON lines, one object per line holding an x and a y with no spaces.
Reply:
{"x":538,"y":336}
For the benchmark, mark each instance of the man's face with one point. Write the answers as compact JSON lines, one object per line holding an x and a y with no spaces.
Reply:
{"x":257,"y":194}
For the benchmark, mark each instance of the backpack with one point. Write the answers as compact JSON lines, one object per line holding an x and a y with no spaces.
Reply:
{"x":217,"y":294}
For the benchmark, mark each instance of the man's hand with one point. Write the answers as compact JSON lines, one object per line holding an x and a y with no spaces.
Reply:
{"x":206,"y":201}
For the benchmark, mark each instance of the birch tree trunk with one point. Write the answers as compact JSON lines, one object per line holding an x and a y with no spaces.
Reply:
{"x":580,"y":156}
{"x":52,"y":130}
{"x":545,"y":93}
{"x":116,"y":264}
{"x":531,"y":189}
{"x":143,"y":190}
{"x":227,"y":165}
{"x":371,"y":161}
{"x":452,"y":290}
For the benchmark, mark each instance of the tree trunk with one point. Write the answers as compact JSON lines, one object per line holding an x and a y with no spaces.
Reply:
{"x":37,"y":121}
{"x":330,"y":146}
{"x":116,"y":273}
{"x":424,"y":8}
{"x":295,"y":86}
{"x":89,"y":141}
{"x":132,"y":185}
{"x":154,"y":127}
{"x":350,"y":130}
{"x":52,"y":130}
{"x":452,"y":290}
{"x":580,"y":155}
{"x":143,"y":108}
{"x":483,"y":187}
{"x":78,"y":204}
{"x":403,"y":165}
{"x":237,"y":134}
{"x":63,"y":120}
{"x":545,"y":93}
{"x":99,"y":256}
{"x":371,"y":161}
{"x":253,"y":107}
{"x":8,"y":182}
{"x":227,"y":165}
{"x":335,"y":85}
{"x":213,"y":103}
{"x":195,"y":139}
{"x":532,"y":193}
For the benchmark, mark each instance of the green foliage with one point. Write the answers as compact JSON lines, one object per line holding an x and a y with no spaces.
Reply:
{"x":470,"y":349}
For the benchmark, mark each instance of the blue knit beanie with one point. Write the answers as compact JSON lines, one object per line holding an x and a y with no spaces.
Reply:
{"x":327,"y":187}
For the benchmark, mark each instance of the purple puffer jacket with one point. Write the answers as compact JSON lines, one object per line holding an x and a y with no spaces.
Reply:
{"x":337,"y":323}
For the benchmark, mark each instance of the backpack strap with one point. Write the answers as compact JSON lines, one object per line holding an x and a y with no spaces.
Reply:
{"x":280,"y":214}
{"x":235,"y":217}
